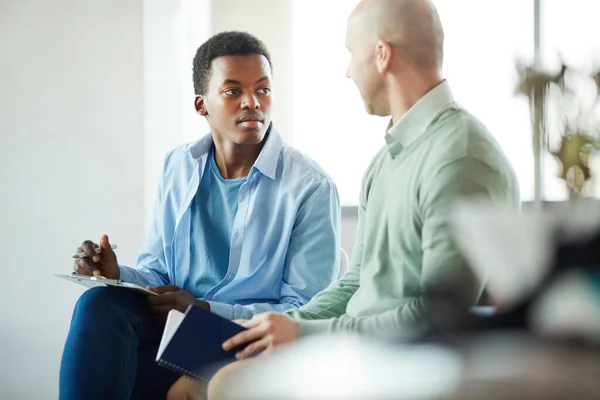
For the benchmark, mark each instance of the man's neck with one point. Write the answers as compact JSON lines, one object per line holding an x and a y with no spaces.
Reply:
{"x":235,"y":160}
{"x":405,"y":93}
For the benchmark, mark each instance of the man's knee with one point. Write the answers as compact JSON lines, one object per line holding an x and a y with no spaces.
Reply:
{"x":104,"y":302}
{"x":94,"y":300}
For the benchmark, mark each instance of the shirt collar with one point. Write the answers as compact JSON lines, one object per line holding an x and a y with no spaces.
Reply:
{"x":267,"y":160}
{"x":418,"y":118}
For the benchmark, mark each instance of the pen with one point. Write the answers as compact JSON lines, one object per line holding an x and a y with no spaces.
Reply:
{"x":98,"y":251}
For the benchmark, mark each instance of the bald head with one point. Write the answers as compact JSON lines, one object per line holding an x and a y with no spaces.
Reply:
{"x":411,"y":27}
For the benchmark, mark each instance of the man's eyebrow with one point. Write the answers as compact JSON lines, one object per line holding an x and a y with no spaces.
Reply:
{"x":234,"y":82}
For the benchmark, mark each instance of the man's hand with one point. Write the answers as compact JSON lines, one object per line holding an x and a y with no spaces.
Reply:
{"x":171,"y":297}
{"x":265,"y":330}
{"x":104,"y":264}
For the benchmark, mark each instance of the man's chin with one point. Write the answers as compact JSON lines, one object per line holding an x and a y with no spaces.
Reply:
{"x":250,"y":136}
{"x":369,"y":105}
{"x":372,"y":109}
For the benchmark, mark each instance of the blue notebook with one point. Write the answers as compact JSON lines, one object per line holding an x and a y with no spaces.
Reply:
{"x":191,"y":342}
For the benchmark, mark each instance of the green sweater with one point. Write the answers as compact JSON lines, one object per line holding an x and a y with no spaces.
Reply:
{"x":435,"y":154}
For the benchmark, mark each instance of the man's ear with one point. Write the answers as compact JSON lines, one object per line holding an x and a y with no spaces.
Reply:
{"x":200,"y":106}
{"x":383,"y":56}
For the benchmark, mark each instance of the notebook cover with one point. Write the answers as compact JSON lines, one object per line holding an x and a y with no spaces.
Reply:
{"x":197,"y":343}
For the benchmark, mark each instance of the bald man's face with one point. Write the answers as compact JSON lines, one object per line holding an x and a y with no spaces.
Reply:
{"x":362,"y":68}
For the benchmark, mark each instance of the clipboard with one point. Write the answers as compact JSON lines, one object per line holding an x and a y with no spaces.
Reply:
{"x":95,"y":281}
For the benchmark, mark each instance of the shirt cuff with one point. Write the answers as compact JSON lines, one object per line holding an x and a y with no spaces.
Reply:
{"x":126,"y":274}
{"x":224,"y":310}
{"x":306,"y":328}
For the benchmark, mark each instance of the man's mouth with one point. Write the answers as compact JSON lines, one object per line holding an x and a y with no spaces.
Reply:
{"x":253,"y":121}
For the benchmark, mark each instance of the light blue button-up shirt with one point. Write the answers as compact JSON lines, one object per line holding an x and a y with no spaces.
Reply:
{"x":285,"y":239}
{"x":213,"y":212}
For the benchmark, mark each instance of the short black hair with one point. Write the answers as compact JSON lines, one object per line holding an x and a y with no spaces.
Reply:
{"x":233,"y":43}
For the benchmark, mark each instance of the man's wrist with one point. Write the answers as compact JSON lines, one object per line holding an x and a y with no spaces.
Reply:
{"x":203,"y":304}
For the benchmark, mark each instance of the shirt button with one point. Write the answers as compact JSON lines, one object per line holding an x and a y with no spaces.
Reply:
{"x":236,"y":234}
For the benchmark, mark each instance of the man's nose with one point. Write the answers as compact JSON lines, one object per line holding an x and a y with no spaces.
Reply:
{"x":250,"y":102}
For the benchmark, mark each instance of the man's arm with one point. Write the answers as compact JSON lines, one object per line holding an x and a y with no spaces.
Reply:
{"x":151,"y":269}
{"x":313,"y":256}
{"x":332,"y":302}
{"x":441,"y":260}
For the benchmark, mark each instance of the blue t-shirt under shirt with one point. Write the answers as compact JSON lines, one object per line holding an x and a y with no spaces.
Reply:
{"x":213,"y":211}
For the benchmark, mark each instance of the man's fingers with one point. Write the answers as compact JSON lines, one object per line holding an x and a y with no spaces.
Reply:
{"x":253,"y":348}
{"x":89,"y":248}
{"x":166,"y":289}
{"x":81,"y":271}
{"x":161,"y":300}
{"x":248,"y":323}
{"x":244,"y":337}
{"x":83,"y":264}
{"x":108,"y":254}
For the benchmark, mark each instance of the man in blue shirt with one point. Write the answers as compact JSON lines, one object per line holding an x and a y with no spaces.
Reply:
{"x":243,"y":224}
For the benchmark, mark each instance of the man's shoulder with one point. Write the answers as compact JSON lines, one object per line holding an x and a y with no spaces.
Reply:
{"x":182,"y":156}
{"x":459,"y":134}
{"x":181,"y":152}
{"x":297,"y":163}
{"x":179,"y":166}
{"x":456,"y":124}
{"x":463,"y":142}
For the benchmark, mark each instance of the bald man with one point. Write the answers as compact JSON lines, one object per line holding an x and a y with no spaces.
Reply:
{"x":435,"y":152}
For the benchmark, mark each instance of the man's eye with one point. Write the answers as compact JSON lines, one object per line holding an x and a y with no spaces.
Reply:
{"x":265,"y":90}
{"x":232,"y":92}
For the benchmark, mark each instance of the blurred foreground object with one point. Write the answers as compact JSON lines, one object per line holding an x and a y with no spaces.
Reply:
{"x":347,"y":367}
{"x":518,"y":366}
{"x":541,"y":343}
{"x":473,"y":367}
{"x":541,"y":267}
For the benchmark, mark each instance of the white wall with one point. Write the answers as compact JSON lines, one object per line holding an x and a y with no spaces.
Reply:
{"x":92,"y":94}
{"x":71,"y":127}
{"x":278,"y":35}
{"x":270,"y":21}
{"x":173,"y":30}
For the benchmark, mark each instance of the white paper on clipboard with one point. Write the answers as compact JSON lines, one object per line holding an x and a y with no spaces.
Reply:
{"x":95,"y":281}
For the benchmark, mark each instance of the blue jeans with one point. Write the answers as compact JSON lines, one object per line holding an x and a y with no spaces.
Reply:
{"x":111,"y":348}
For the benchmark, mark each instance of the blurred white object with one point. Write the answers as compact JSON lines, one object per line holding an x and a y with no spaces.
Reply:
{"x":513,"y":251}
{"x":348,"y":367}
{"x":569,"y":308}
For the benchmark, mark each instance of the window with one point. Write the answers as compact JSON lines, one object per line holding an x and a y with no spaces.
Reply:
{"x":330,"y":122}
{"x":484,"y":41}
{"x":173,"y":31}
